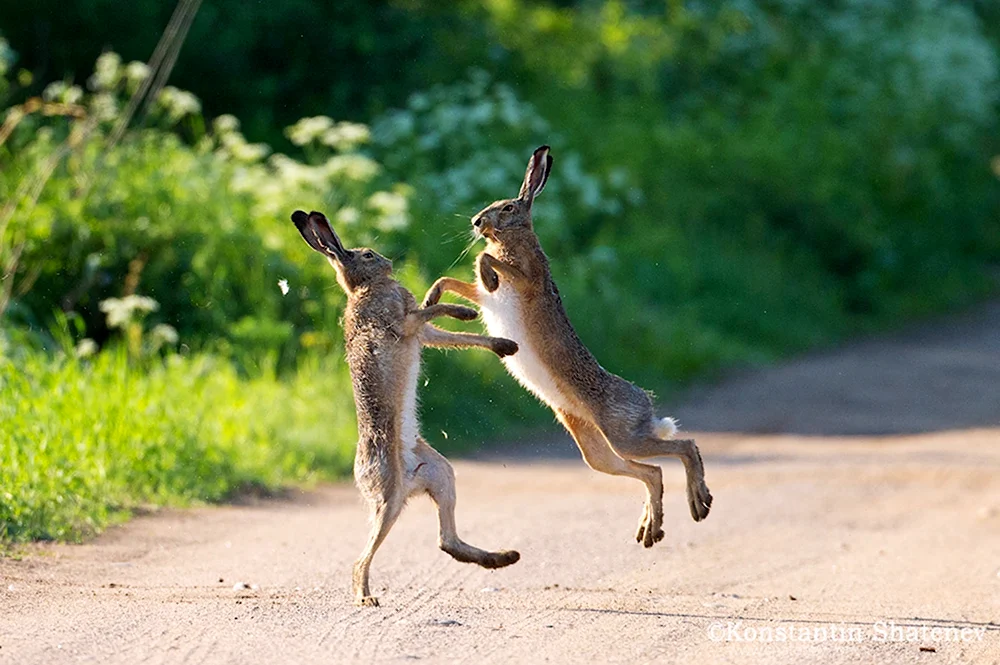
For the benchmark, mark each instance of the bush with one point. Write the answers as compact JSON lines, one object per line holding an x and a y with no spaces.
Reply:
{"x":196,"y":219}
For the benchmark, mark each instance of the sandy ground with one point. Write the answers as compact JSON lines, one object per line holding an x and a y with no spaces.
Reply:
{"x":863,"y":549}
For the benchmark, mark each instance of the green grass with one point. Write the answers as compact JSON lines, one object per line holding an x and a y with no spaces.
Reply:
{"x":85,"y":442}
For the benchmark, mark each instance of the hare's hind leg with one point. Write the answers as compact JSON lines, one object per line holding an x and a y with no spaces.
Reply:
{"x":385,"y":510}
{"x":435,"y":475}
{"x":653,"y":442}
{"x":599,"y":456}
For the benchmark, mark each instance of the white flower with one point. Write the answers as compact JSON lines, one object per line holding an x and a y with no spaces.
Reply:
{"x":60,"y":91}
{"x":226,"y":124}
{"x":178,"y":103}
{"x":107,"y":71}
{"x":137,"y":72}
{"x":388,"y":203}
{"x":307,"y":130}
{"x":283,"y":285}
{"x":348,"y":215}
{"x":120,"y":311}
{"x":392,"y":209}
{"x":351,"y":167}
{"x":73,"y":95}
{"x":54,"y":91}
{"x":104,"y":106}
{"x":86,"y":347}
{"x":237,"y":147}
{"x":250,"y":152}
{"x":345,"y":136}
{"x":163,"y":334}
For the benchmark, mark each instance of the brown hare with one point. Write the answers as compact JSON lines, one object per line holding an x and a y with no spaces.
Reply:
{"x":611,"y":419}
{"x":384,"y":330}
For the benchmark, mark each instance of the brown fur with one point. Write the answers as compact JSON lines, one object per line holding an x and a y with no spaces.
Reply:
{"x":384,"y":330}
{"x":611,"y":419}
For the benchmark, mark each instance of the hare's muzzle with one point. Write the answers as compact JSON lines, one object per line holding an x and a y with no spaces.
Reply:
{"x":480,"y":226}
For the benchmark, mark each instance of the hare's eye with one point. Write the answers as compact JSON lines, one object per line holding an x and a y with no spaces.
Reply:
{"x":368,"y":255}
{"x":508,"y":208}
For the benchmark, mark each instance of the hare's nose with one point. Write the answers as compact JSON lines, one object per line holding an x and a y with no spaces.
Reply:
{"x":477,"y":222}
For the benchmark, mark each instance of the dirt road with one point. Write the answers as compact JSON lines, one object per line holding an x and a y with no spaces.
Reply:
{"x":818,"y":549}
{"x":804,"y":536}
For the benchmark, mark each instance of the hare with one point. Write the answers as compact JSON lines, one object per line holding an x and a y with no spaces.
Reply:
{"x":610,"y":419}
{"x":384,"y":330}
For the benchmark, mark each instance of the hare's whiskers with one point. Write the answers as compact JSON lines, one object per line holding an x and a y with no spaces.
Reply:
{"x":465,"y":251}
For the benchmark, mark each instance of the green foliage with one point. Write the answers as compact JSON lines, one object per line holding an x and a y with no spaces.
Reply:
{"x":84,"y":442}
{"x":462,"y":145}
{"x":733,"y":182}
{"x":201,"y":227}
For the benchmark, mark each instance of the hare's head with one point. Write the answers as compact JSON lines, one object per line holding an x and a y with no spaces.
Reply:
{"x":508,"y":217}
{"x":355,"y":267}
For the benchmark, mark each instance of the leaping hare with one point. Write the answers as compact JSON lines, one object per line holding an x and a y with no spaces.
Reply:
{"x":384,"y":330}
{"x":611,"y":419}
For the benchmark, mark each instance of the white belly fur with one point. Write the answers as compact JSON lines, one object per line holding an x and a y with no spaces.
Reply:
{"x":501,"y":312}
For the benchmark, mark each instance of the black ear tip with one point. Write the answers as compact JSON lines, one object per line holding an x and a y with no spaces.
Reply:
{"x":300,"y":217}
{"x":542,"y":150}
{"x":318,"y":217}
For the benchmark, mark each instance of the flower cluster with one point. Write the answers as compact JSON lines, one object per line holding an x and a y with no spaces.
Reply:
{"x":444,"y":144}
{"x":122,"y":311}
{"x":341,"y":136}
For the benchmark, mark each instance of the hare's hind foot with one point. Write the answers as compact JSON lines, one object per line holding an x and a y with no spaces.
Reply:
{"x":366,"y":601}
{"x":501,"y":559}
{"x":462,"y":551}
{"x":650,"y":529}
{"x":699,"y":500}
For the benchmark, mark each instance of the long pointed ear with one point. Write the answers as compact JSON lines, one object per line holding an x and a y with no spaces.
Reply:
{"x":536,"y":175}
{"x":318,"y":234}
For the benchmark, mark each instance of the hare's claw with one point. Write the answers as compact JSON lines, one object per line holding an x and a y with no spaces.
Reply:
{"x":366,"y":601}
{"x":432,"y":297}
{"x":699,"y":501}
{"x":650,"y":531}
{"x":504,"y":347}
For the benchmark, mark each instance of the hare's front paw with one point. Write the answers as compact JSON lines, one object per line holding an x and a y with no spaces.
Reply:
{"x":366,"y":601}
{"x":504,"y":347}
{"x":463,"y":313}
{"x":489,"y":277}
{"x":432,"y":297}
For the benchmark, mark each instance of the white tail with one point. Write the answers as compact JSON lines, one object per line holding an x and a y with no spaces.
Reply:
{"x":664,"y":428}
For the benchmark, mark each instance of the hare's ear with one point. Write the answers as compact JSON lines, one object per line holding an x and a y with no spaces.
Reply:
{"x":318,"y":234}
{"x":536,"y":175}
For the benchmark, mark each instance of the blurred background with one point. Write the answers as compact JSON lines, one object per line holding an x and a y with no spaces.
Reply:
{"x":735,"y":182}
